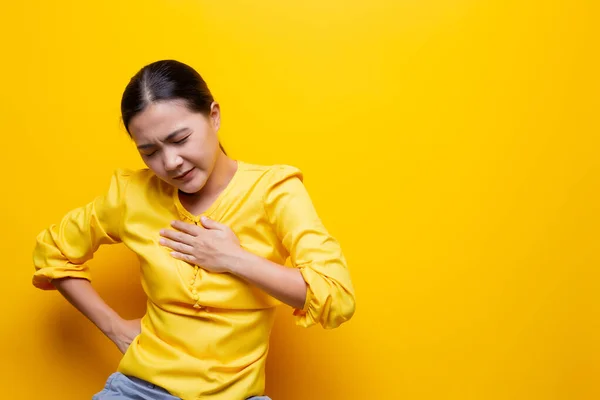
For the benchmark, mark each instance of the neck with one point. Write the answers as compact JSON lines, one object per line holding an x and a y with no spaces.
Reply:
{"x":220,"y":176}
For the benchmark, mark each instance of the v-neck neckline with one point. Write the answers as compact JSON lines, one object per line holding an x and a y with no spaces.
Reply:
{"x":184,"y":212}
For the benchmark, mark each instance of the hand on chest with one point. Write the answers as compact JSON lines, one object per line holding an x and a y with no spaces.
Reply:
{"x":169,"y":279}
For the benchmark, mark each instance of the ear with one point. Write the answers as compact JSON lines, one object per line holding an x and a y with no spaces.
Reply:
{"x":215,"y":115}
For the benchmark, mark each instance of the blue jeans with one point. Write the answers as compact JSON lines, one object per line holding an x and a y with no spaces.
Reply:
{"x":122,"y":387}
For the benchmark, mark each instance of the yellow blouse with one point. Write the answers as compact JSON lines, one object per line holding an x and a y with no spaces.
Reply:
{"x":205,"y":335}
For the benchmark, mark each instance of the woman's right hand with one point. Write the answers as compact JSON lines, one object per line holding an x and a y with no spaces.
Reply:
{"x":123,"y":332}
{"x":84,"y":297}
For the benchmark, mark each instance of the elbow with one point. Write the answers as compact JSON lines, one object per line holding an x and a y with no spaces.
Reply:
{"x":350,"y":307}
{"x":330,"y":311}
{"x":330,"y":299}
{"x":342,"y":310}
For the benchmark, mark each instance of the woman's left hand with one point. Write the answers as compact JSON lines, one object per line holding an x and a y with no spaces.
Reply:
{"x":213,"y":247}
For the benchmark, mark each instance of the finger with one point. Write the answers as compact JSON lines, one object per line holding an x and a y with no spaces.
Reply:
{"x":183,"y":257}
{"x":177,"y":246}
{"x":210,"y":223}
{"x":190,"y":229}
{"x":177,"y":236}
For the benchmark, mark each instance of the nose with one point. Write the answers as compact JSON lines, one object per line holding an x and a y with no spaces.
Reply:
{"x":171,"y":160}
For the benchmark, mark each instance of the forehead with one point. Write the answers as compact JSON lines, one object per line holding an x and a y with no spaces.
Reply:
{"x":160,"y":119}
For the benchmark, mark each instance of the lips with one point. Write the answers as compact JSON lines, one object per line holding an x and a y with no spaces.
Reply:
{"x":184,"y":175}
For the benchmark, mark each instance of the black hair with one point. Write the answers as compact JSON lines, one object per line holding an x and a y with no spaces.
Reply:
{"x":165,"y":80}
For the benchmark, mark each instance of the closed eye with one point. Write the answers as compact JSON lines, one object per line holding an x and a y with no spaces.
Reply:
{"x":177,"y":142}
{"x":182,"y":140}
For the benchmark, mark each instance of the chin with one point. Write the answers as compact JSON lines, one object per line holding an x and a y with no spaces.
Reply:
{"x":191,"y":187}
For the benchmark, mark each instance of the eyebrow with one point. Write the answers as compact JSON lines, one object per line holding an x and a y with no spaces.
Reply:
{"x":171,"y":136}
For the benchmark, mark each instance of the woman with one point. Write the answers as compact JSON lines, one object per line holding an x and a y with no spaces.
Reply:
{"x":212,"y":235}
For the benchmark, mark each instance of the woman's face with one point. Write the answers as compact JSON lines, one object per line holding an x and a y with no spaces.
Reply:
{"x":178,"y":145}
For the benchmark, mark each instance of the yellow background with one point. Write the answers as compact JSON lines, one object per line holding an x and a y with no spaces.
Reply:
{"x":450,"y":145}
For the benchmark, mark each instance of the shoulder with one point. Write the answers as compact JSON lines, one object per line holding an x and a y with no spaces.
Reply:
{"x":270,"y":175}
{"x":124,"y":180}
{"x":275,"y":184}
{"x":141,"y":175}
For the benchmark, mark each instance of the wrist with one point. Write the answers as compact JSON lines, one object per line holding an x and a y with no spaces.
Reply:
{"x":236,"y":261}
{"x":110,"y":324}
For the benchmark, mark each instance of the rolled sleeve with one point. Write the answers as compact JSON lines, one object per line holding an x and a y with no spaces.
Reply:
{"x":330,"y":298}
{"x":63,"y":249}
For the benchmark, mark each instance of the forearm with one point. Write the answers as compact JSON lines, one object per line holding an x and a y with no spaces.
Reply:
{"x":284,"y":283}
{"x":81,"y":294}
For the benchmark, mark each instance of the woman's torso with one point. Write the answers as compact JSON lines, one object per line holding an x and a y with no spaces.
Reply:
{"x":205,"y":335}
